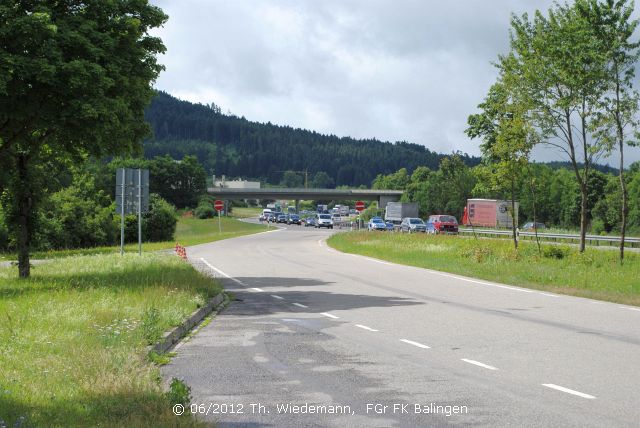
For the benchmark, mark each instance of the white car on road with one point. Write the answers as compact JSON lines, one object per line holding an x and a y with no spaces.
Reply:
{"x":324,"y":220}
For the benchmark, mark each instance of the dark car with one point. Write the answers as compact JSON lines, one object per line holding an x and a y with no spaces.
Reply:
{"x":533,"y":226}
{"x":270,"y":217}
{"x":412,"y":224}
{"x":309,"y":221}
{"x":442,"y":224}
{"x":282,"y":218}
{"x":293,"y":219}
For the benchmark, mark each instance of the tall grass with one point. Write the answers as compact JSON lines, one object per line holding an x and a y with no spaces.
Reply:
{"x":73,"y":339}
{"x":595,"y":274}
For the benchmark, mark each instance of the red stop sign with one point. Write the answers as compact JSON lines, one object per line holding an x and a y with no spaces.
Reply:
{"x":218,"y":205}
{"x":359,"y":206}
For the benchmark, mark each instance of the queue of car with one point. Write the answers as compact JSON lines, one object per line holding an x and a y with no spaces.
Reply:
{"x":434,"y":224}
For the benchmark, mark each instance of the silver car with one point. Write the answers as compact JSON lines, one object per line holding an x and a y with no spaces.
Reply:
{"x":412,"y":224}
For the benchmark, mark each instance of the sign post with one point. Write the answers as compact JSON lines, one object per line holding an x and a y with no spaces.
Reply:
{"x":359,"y":207}
{"x":219,"y":206}
{"x":132,"y":197}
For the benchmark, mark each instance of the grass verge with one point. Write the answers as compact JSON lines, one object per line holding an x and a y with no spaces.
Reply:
{"x":189,"y":231}
{"x":242,"y":212}
{"x":73,"y":339}
{"x":594,"y":274}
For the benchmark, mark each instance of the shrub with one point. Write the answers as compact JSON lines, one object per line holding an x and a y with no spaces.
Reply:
{"x":179,"y":393}
{"x":555,"y":252}
{"x":205,"y":210}
{"x":4,"y":233}
{"x":75,"y":217}
{"x":160,"y":222}
{"x":597,"y":227}
{"x":150,"y":326}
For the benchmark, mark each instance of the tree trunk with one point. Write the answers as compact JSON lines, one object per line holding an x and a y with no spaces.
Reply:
{"x":583,"y":215}
{"x":533,"y":202}
{"x":513,"y":214}
{"x":23,"y":199}
{"x":625,"y":203}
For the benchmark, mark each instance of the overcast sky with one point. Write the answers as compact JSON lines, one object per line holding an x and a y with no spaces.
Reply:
{"x":409,"y":70}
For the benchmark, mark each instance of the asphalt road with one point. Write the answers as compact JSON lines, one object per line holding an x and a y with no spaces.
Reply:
{"x":378,"y":344}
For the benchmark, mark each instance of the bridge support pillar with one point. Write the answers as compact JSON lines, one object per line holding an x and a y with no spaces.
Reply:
{"x":297,"y":206}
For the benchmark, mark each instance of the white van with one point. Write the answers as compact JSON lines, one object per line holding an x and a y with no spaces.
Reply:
{"x":265,"y":213}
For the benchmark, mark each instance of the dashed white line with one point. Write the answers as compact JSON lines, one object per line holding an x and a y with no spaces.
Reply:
{"x":411,"y":342}
{"x":277,"y":297}
{"x":364,"y":327}
{"x":568,"y":391}
{"x":300,"y":305}
{"x":222,"y":273}
{"x":479,"y":364}
{"x":329,"y":315}
{"x":257,"y":289}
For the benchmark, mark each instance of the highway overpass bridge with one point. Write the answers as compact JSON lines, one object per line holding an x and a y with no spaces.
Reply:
{"x":381,"y":196}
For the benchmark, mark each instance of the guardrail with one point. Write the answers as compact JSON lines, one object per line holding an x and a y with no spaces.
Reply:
{"x":594,"y":240}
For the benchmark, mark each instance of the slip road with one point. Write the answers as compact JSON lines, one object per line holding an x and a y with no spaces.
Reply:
{"x":313,"y":331}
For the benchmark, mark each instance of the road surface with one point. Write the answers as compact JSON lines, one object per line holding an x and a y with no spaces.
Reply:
{"x":353,"y":341}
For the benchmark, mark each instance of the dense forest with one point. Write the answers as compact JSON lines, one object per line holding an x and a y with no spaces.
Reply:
{"x":226,"y":144}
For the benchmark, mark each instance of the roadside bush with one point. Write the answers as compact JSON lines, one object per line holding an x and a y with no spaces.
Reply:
{"x":4,"y":233}
{"x":150,"y":326}
{"x":555,"y":252}
{"x":160,"y":222}
{"x":205,"y":210}
{"x":179,"y":392}
{"x":76,"y":217}
{"x":597,"y":227}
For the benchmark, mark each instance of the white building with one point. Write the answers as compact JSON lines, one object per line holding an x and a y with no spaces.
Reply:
{"x":235,"y":184}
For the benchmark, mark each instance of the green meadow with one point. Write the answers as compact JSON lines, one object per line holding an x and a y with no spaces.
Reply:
{"x":596,"y":274}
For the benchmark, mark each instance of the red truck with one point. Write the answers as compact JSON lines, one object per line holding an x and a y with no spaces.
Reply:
{"x":489,"y":213}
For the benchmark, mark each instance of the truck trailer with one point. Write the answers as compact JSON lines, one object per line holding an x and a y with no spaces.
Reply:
{"x":396,"y":211}
{"x":489,"y":213}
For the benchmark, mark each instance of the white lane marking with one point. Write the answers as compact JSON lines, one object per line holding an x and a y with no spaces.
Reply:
{"x":277,"y":297}
{"x":411,"y":342}
{"x":633,"y":309}
{"x":364,"y":327}
{"x":256,"y":289}
{"x":596,"y":303}
{"x":300,"y":305}
{"x":328,"y":315}
{"x":479,"y":364}
{"x":549,"y":294}
{"x":222,"y":273}
{"x":568,"y":391}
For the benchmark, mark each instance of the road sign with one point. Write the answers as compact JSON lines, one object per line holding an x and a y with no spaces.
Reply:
{"x":132,"y":196}
{"x":218,"y":205}
{"x":359,"y":206}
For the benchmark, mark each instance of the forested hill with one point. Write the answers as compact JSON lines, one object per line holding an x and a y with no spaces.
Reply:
{"x":233,"y":146}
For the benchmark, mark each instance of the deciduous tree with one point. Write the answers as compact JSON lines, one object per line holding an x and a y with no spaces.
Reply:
{"x":75,"y":77}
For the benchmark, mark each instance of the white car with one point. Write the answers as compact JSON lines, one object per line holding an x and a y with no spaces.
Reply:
{"x":324,"y":220}
{"x":265,"y":214}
